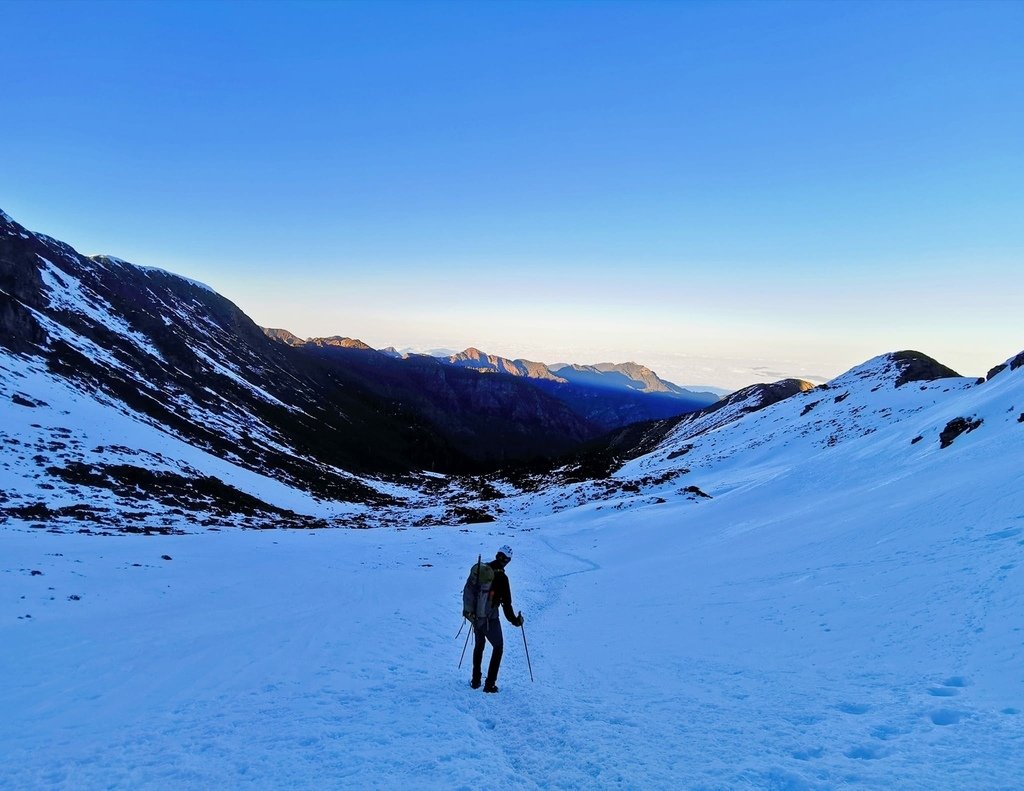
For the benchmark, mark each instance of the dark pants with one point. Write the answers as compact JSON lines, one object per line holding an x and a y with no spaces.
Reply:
{"x":491,"y":631}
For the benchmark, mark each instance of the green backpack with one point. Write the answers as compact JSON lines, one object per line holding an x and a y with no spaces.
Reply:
{"x":476,"y":594}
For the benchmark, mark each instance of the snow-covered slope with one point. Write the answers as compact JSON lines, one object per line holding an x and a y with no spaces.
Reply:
{"x":818,"y":426}
{"x":842,"y":612}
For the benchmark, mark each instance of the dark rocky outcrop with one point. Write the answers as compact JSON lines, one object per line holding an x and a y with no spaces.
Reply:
{"x":918,"y":367}
{"x":1013,"y":365}
{"x":956,"y":427}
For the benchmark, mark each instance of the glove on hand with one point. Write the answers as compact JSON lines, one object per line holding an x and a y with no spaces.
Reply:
{"x":520,"y":620}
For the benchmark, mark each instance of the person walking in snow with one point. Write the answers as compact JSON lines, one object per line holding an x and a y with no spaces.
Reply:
{"x":489,"y":629}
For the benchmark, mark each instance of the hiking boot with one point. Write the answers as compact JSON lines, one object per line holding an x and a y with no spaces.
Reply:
{"x":475,"y":683}
{"x":490,"y":687}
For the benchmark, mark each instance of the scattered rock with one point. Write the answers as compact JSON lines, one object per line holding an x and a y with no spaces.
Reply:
{"x":955,"y":428}
{"x":916,"y":439}
{"x":681,"y":452}
{"x":74,"y":597}
{"x":36,"y":573}
{"x":20,"y":400}
{"x":809,"y":407}
{"x":696,"y":490}
{"x":166,"y":557}
{"x":466,"y":515}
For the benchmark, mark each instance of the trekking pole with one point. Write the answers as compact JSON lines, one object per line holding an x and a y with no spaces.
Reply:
{"x":464,"y":648}
{"x":521,"y":626}
{"x":461,"y":627}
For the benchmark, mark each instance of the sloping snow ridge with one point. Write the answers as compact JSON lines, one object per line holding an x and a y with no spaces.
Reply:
{"x":821,"y":592}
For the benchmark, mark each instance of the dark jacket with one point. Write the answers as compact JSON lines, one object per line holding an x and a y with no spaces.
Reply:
{"x":501,"y":594}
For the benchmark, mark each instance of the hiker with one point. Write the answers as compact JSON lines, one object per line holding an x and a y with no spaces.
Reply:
{"x":489,"y":628}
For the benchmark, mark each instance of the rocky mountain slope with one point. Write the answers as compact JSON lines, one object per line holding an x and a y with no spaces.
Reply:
{"x":122,"y":385}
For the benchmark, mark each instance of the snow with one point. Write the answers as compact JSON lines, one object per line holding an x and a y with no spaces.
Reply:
{"x":237,"y":378}
{"x":157,"y":270}
{"x":68,"y":293}
{"x":91,"y":428}
{"x":837,"y":615}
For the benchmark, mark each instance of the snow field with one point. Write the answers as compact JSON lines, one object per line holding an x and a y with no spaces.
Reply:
{"x":842,"y":612}
{"x":850,"y":641}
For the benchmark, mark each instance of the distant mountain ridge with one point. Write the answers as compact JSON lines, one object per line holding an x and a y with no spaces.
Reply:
{"x":609,"y":395}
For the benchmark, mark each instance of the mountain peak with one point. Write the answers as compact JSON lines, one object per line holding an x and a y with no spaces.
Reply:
{"x":918,"y":367}
{"x":282,"y":335}
{"x":342,"y":342}
{"x":895,"y":369}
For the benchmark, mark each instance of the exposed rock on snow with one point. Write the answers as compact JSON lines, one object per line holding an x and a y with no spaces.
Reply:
{"x":917,"y":367}
{"x":956,"y":427}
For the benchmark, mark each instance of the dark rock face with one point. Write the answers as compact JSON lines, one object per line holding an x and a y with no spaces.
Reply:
{"x":918,"y":367}
{"x":955,"y":428}
{"x":481,"y":417}
{"x":764,"y":394}
{"x":1013,"y":365}
{"x":20,"y":284}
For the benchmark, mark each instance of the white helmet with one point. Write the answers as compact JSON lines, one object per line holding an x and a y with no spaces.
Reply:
{"x":506,"y":550}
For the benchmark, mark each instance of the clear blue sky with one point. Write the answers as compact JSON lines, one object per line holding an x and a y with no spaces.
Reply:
{"x":712,"y":188}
